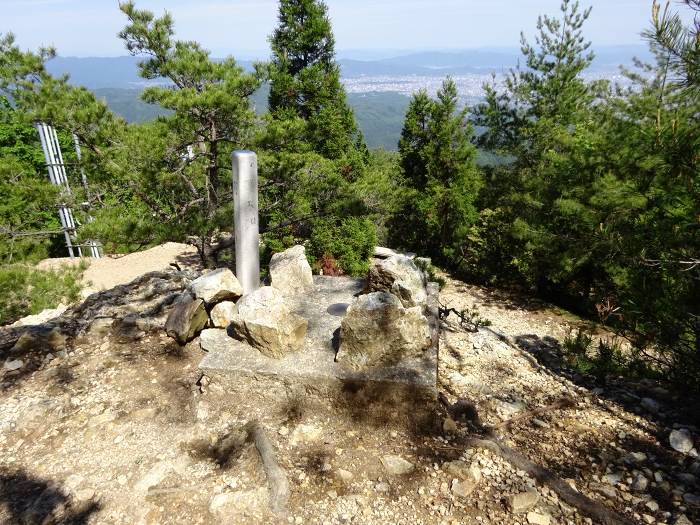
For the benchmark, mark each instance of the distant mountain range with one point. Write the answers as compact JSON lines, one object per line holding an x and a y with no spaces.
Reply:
{"x":122,"y":72}
{"x":380,"y":112}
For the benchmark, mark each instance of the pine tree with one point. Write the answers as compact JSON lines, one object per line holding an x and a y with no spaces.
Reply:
{"x":211,"y":114}
{"x":305,"y":79}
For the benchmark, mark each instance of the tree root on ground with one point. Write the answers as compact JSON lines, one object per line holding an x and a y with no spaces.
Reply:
{"x":276,"y":475}
{"x":585,"y":505}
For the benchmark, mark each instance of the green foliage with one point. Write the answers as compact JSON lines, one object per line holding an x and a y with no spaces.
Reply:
{"x":305,"y":79}
{"x":598,"y":208}
{"x":441,"y":178}
{"x":348,"y":241}
{"x":24,"y":290}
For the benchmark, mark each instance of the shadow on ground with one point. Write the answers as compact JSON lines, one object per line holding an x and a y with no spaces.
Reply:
{"x":31,"y":500}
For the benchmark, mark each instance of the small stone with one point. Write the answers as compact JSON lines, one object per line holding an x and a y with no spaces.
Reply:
{"x":187,"y":319}
{"x":306,"y":433}
{"x":691,"y":499}
{"x":652,"y":506}
{"x":344,"y":475}
{"x":648,"y":519}
{"x":524,"y":501}
{"x":463,"y":488}
{"x":397,"y":466}
{"x":122,"y":479}
{"x":636,"y":457}
{"x":682,"y":520}
{"x":12,"y":365}
{"x":85,"y":495}
{"x":640,"y":483}
{"x":449,"y":426}
{"x":651,"y":405}
{"x":681,"y":440}
{"x":222,"y":314}
{"x":613,"y":478}
{"x":539,"y":423}
{"x":538,"y":519}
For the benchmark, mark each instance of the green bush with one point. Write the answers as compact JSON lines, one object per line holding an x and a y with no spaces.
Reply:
{"x":24,"y":290}
{"x":349,"y":241}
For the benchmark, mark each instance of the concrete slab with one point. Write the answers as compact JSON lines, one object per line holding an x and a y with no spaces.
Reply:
{"x":313,"y":371}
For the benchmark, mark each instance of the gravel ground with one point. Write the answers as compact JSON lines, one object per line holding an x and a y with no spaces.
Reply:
{"x":108,"y":431}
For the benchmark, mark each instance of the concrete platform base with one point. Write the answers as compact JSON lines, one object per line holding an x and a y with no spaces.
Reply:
{"x":410,"y":387}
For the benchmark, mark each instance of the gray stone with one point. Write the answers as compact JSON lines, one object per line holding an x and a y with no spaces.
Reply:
{"x":214,"y":287}
{"x":652,"y":506}
{"x":186,"y":320}
{"x":691,"y":499}
{"x":222,"y":314}
{"x":400,"y":276}
{"x":651,"y":405}
{"x":264,"y":320}
{"x":380,"y":252}
{"x":635,"y":457}
{"x":682,"y":520}
{"x":378,"y":331}
{"x":534,"y":518}
{"x":463,"y":488}
{"x":524,"y":501}
{"x":640,"y":483}
{"x":12,"y":365}
{"x":397,"y":466}
{"x":613,"y":478}
{"x":344,"y":476}
{"x":290,"y":272}
{"x":681,"y":440}
{"x":460,"y":470}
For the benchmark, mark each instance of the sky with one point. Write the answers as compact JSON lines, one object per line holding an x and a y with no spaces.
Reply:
{"x":363,"y":28}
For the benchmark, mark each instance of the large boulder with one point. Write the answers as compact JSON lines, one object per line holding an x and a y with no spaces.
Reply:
{"x":400,"y":276}
{"x":217,"y":286}
{"x":187,"y":319}
{"x":377,"y":330}
{"x":263,"y":319}
{"x":290,"y":272}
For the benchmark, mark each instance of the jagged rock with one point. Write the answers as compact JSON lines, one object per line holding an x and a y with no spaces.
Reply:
{"x":534,"y":518}
{"x":214,"y":287}
{"x":681,"y":440}
{"x":682,"y":520}
{"x":290,"y":272}
{"x":397,"y":466}
{"x":378,"y":330}
{"x":222,"y":314}
{"x":519,"y":503}
{"x":12,"y":365}
{"x":186,"y":320}
{"x":264,"y":321}
{"x":640,"y":483}
{"x":400,"y":276}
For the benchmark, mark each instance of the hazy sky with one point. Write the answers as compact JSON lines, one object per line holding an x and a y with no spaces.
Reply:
{"x":241,"y":27}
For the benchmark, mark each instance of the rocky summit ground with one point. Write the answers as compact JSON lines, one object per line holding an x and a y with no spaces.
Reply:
{"x":120,"y":427}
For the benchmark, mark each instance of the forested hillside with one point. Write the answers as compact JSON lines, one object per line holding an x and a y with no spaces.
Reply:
{"x":594,"y":202}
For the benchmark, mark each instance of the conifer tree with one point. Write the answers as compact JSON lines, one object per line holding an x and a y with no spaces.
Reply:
{"x":305,"y":79}
{"x":438,"y":163}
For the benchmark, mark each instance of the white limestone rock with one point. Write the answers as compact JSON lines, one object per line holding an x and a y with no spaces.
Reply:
{"x":217,"y":286}
{"x":290,"y":272}
{"x":378,"y":331}
{"x":400,"y":276}
{"x":264,"y":320}
{"x":222,"y":314}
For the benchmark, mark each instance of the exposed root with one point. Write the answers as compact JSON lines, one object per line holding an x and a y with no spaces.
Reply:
{"x":276,"y":475}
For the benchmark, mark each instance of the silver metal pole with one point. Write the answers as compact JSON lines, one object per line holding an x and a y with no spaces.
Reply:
{"x":245,"y":205}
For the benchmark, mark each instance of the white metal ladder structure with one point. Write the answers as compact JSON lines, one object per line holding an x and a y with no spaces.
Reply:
{"x":57,"y":175}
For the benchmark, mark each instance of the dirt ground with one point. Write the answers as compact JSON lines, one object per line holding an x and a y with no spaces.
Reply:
{"x":113,"y":270}
{"x":127,"y":432}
